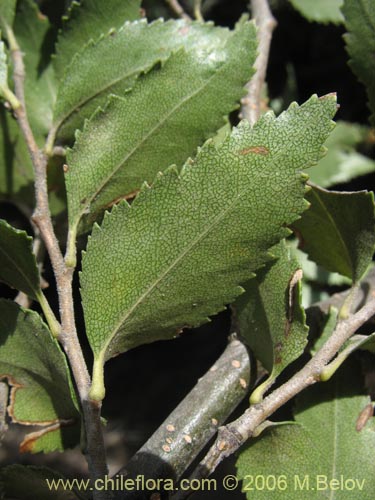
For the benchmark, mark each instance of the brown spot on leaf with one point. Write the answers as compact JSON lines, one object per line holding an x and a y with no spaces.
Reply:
{"x":364,"y":417}
{"x":258,"y":150}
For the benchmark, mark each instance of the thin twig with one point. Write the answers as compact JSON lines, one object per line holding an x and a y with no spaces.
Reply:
{"x":63,"y":275}
{"x":178,"y":10}
{"x":236,"y":433}
{"x":198,"y":11}
{"x":251,"y":104}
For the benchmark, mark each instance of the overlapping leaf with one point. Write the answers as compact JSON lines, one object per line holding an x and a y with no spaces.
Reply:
{"x":86,"y":21}
{"x":270,"y":316}
{"x":342,"y":162}
{"x":338,"y":230}
{"x":360,"y":42}
{"x":18,"y":266}
{"x":123,"y":55}
{"x":321,"y":11}
{"x":33,"y":30}
{"x":325,"y":432}
{"x":179,"y":253}
{"x":169,"y":113}
{"x":32,"y":362}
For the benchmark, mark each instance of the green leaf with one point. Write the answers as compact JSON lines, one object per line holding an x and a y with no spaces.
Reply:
{"x":179,"y":253}
{"x":124,"y":54}
{"x":16,"y":171}
{"x":87,"y":21}
{"x":32,"y":362}
{"x":157,"y":124}
{"x":320,"y":11}
{"x":34,"y":35}
{"x":322,"y":451}
{"x":270,"y":316}
{"x":342,"y":162}
{"x":7,"y":12}
{"x":24,"y":482}
{"x":18,"y":269}
{"x":360,"y":43}
{"x":338,"y":231}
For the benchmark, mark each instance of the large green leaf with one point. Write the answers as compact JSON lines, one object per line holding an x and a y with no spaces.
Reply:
{"x":87,"y":21}
{"x":270,"y":316}
{"x":16,"y":171}
{"x":7,"y":12}
{"x":32,"y":362}
{"x":342,"y":162}
{"x":18,"y":265}
{"x":159,"y":123}
{"x":321,"y":11}
{"x":22,"y":482}
{"x":123,"y":55}
{"x":179,"y":253}
{"x":34,"y":36}
{"x":360,"y":43}
{"x":320,"y":456}
{"x":338,"y":231}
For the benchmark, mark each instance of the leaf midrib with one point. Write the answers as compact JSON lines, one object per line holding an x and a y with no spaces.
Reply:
{"x":158,"y":126}
{"x":178,"y":259}
{"x":84,"y":101}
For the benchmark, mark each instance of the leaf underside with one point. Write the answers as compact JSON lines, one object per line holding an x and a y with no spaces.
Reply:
{"x":180,"y":252}
{"x":34,"y":365}
{"x":157,"y":124}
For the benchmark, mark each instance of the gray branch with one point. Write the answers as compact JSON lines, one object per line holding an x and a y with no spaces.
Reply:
{"x":251,"y":104}
{"x":179,"y":440}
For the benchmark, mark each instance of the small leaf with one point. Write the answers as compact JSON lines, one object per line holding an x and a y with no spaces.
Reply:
{"x":157,"y":124}
{"x":7,"y":13}
{"x":179,"y":253}
{"x":24,"y":482}
{"x":322,"y":455}
{"x":320,"y":11}
{"x":33,"y":31}
{"x":360,"y":43}
{"x":18,"y":269}
{"x":342,"y":162}
{"x":124,"y":54}
{"x":338,"y":231}
{"x":32,"y":362}
{"x":87,"y":21}
{"x":16,"y":171}
{"x":270,"y":316}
